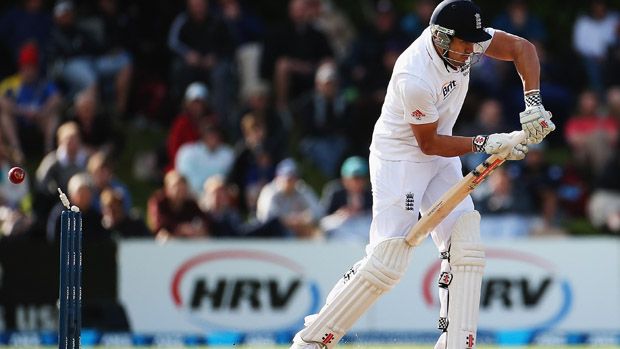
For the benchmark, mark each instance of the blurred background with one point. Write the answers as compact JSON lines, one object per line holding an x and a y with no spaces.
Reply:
{"x":218,"y":152}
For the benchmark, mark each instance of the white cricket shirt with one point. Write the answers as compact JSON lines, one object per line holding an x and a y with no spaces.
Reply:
{"x":422,"y":90}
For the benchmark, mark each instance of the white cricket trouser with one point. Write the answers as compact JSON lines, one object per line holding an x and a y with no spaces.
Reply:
{"x":400,"y":189}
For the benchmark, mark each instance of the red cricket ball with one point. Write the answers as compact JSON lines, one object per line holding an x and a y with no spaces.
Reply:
{"x":17,"y":175}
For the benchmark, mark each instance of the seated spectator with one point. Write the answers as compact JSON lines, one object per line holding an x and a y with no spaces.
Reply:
{"x":101,"y":169}
{"x":218,"y":201}
{"x":348,"y":202}
{"x":416,"y":20}
{"x":254,"y":163}
{"x":186,"y":126}
{"x":593,"y":34}
{"x":323,"y":121}
{"x":290,"y":200}
{"x":25,"y":22}
{"x":603,"y":208}
{"x":97,"y":131}
{"x":116,"y":219}
{"x":542,"y":180}
{"x":613,"y":102}
{"x":203,"y":49}
{"x":118,"y":38}
{"x":257,"y":101}
{"x":507,"y":210}
{"x":518,"y":20}
{"x":591,"y":135}
{"x":60,"y":165}
{"x":489,"y":119}
{"x":29,"y":106}
{"x":173,"y":212}
{"x":80,"y":61}
{"x":292,"y":53}
{"x":80,"y":194}
{"x":15,"y":216}
{"x":200,"y":160}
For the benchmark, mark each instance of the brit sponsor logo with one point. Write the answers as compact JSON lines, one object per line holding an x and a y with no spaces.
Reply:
{"x":243,"y":290}
{"x":520,"y":291}
{"x":447,"y":88}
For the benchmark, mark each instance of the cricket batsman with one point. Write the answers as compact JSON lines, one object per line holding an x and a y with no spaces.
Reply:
{"x":414,"y":159}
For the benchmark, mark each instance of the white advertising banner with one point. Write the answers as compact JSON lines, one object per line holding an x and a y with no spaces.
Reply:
{"x":269,"y":286}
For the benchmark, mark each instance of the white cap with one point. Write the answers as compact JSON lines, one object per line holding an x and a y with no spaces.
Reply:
{"x":326,"y":72}
{"x":196,"y":90}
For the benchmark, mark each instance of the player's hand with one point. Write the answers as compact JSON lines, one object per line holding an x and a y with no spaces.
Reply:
{"x":509,"y":146}
{"x":535,"y":120}
{"x":537,"y":124}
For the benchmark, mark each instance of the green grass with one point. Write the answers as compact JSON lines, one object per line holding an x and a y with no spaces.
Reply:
{"x":361,"y":346}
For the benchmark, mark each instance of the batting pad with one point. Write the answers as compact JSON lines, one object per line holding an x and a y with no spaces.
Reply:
{"x":467,"y":261}
{"x":376,"y":274}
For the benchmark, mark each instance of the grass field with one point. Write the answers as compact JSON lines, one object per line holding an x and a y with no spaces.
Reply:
{"x":352,"y":346}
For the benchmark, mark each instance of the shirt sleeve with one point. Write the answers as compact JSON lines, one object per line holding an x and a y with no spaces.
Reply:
{"x":418,"y":100}
{"x":485,"y":44}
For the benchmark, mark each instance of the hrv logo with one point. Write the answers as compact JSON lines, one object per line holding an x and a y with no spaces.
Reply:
{"x":243,"y":290}
{"x":519,"y":291}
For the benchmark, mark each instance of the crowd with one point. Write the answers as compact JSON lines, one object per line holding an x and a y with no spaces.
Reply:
{"x":274,"y":109}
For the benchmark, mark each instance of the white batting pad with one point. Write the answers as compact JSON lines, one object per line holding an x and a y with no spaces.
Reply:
{"x":467,"y":261}
{"x":377,"y":273}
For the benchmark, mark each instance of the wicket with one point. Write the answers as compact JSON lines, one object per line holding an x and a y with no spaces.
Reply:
{"x":70,"y":292}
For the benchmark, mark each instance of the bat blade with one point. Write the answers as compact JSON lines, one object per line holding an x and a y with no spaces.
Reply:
{"x":450,"y":199}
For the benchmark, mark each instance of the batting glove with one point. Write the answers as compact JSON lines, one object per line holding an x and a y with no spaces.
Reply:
{"x":535,"y":120}
{"x":509,"y":146}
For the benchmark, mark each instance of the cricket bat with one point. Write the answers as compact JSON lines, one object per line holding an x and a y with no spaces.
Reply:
{"x":450,"y":199}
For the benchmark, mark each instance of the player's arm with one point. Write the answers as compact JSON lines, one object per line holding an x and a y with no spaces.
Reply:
{"x":535,"y":120}
{"x":506,"y":145}
{"x":508,"y":47}
{"x":432,"y":143}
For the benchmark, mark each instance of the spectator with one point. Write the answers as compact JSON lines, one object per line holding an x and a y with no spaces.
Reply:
{"x":490,"y":119}
{"x":254,"y":163}
{"x":518,"y":20}
{"x":80,"y":61}
{"x":290,"y":200}
{"x":541,"y":179}
{"x":205,"y":158}
{"x":247,"y":31}
{"x":60,"y":165}
{"x":15,"y":217}
{"x":292,"y":51}
{"x":591,"y":135}
{"x":322,"y":115}
{"x":28,"y":22}
{"x":185,"y":127}
{"x":508,"y":210}
{"x":603,"y":208}
{"x":101,"y":169}
{"x":381,"y":34}
{"x":116,"y":31}
{"x":97,"y":131}
{"x":203,"y":49}
{"x":172,"y":212}
{"x":257,"y":102}
{"x":613,"y":102}
{"x":348,"y":202}
{"x":80,"y":194}
{"x":415,"y":21}
{"x":593,"y":34}
{"x":29,"y":106}
{"x":117,"y":219}
{"x":218,"y":201}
